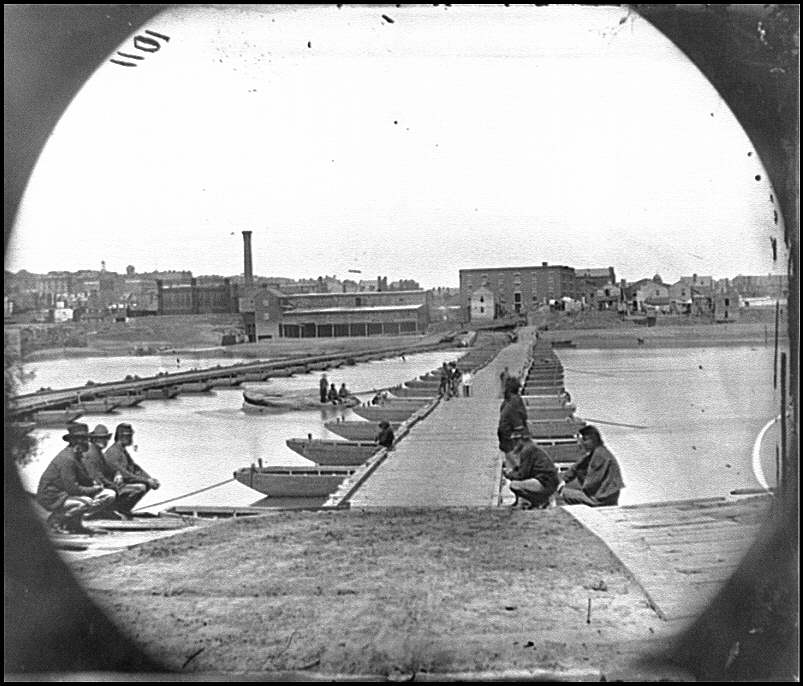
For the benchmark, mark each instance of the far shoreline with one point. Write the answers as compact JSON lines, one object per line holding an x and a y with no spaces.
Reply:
{"x":703,"y":336}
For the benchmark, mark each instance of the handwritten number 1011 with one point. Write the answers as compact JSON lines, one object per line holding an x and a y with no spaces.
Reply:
{"x":143,"y":43}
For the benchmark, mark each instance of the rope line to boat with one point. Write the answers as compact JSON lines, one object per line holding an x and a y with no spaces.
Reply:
{"x":179,"y":497}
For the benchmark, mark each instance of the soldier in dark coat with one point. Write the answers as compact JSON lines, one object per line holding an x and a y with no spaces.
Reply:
{"x":323,"y":386}
{"x":128,"y":494}
{"x":119,"y":460}
{"x":66,"y":490}
{"x":534,"y":478}
{"x":512,"y":413}
{"x":595,"y":479}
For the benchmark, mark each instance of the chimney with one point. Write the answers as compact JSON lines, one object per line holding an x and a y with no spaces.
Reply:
{"x":248,"y":269}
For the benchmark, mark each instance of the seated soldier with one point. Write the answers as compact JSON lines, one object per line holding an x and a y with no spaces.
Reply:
{"x":128,"y":494}
{"x":595,"y":479}
{"x":118,"y":459}
{"x":534,"y":479}
{"x":385,"y":436}
{"x":343,"y":393}
{"x":67,"y":491}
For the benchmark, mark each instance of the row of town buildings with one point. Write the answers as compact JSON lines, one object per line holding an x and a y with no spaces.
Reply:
{"x":493,"y":293}
{"x":328,"y":307}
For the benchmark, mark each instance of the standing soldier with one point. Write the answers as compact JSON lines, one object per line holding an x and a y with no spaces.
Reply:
{"x":67,"y":491}
{"x":119,"y":460}
{"x":324,"y":388}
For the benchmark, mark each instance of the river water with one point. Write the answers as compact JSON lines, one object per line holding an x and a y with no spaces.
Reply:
{"x":193,"y":441}
{"x":681,"y":422}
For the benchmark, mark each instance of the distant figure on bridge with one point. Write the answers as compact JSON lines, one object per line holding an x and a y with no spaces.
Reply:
{"x":128,"y":494}
{"x":534,"y":477}
{"x":512,"y":413}
{"x":118,"y":458}
{"x":454,"y":379}
{"x":385,"y":436}
{"x":67,"y":491}
{"x":595,"y":479}
{"x":332,"y":396}
{"x":445,"y":387}
{"x":467,"y":380}
{"x":324,"y":387}
{"x":503,"y":377}
{"x":343,"y":393}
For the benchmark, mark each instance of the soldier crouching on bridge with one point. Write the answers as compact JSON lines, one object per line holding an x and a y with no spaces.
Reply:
{"x":67,"y":491}
{"x":534,"y":479}
{"x":136,"y":481}
{"x":128,"y":494}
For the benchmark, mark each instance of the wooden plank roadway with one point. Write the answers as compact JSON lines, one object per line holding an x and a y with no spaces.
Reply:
{"x":451,"y":458}
{"x":680,"y":553}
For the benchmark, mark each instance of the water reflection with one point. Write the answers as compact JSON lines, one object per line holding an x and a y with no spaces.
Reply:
{"x":193,"y":441}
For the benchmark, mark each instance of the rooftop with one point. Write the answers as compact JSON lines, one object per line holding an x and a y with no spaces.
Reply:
{"x":332,"y":310}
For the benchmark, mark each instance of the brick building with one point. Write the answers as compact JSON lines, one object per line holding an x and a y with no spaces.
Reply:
{"x":206,"y":297}
{"x":517,"y":289}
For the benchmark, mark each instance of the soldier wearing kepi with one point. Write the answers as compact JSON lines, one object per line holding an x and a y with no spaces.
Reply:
{"x":118,"y":459}
{"x":128,"y":494}
{"x":67,"y":491}
{"x":534,"y":479}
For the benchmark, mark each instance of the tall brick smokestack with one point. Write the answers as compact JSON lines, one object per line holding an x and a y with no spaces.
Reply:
{"x":248,"y":269}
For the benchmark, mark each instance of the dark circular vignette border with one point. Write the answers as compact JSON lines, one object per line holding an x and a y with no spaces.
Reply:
{"x":747,"y":52}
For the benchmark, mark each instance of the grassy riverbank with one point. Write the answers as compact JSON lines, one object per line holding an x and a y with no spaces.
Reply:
{"x":379,"y":592}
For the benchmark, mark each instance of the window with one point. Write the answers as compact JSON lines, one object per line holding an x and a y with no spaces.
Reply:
{"x":727,"y":304}
{"x":482,"y":298}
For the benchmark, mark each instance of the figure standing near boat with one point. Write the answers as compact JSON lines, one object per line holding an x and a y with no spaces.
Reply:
{"x":324,"y":388}
{"x":332,"y":396}
{"x":444,"y":388}
{"x":67,"y":491}
{"x":594,"y":479}
{"x":119,"y":459}
{"x":385,"y":437}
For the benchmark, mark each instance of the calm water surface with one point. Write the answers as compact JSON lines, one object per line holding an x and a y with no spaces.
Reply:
{"x":693,"y":416}
{"x":77,"y":371}
{"x":194,"y":441}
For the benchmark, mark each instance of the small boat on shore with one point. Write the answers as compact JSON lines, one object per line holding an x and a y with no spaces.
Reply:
{"x":333,"y":453}
{"x":293,"y":481}
{"x":261,"y":403}
{"x":358,"y":430}
{"x":56,"y":417}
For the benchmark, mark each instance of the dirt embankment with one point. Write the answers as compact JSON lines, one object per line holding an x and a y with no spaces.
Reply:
{"x":385,"y":592}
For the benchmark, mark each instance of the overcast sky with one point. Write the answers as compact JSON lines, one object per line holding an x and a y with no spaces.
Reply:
{"x":473,"y":136}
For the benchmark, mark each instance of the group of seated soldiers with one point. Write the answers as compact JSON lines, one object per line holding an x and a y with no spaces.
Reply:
{"x":594,"y":480}
{"x":83,"y":481}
